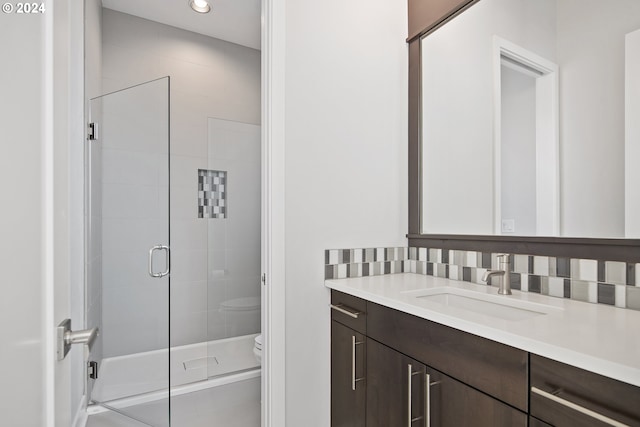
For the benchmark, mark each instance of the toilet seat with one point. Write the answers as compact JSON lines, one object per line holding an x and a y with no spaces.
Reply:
{"x":257,"y":348}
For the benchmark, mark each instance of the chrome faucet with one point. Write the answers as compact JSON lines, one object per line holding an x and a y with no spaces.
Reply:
{"x":504,"y":283}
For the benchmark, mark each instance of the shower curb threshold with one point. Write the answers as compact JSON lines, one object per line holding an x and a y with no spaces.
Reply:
{"x":96,"y":408}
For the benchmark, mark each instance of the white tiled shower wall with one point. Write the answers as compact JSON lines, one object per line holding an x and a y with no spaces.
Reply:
{"x":209,"y":78}
{"x":234,"y":242}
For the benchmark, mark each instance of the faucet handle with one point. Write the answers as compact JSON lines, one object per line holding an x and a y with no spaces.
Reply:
{"x":504,"y":256}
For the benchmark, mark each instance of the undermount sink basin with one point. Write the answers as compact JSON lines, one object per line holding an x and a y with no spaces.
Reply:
{"x":498,"y":306}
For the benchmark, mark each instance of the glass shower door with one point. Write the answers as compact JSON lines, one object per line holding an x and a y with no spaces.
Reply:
{"x":128,"y":256}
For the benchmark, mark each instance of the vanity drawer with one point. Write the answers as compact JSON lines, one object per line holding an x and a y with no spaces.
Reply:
{"x":563,"y":395}
{"x":349,"y":310}
{"x":494,"y":368}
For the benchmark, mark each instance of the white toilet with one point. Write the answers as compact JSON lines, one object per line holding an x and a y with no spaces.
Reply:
{"x":257,"y":348}
{"x":242,"y":315}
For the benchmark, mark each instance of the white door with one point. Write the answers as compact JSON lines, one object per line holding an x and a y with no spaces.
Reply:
{"x":36,"y":107}
{"x":62,"y":212}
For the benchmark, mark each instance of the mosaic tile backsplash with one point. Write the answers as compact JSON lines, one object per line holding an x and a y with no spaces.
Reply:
{"x":212,"y":194}
{"x":596,"y":281}
{"x":342,"y":263}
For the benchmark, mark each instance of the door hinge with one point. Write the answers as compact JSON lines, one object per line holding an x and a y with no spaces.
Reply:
{"x":263,"y":279}
{"x":92,"y":133}
{"x":92,"y":370}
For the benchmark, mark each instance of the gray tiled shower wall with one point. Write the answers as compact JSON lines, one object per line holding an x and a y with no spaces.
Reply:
{"x":596,"y":281}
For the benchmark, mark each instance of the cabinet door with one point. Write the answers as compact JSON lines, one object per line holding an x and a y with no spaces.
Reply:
{"x":348,"y":389}
{"x":455,"y":404}
{"x":395,"y":388}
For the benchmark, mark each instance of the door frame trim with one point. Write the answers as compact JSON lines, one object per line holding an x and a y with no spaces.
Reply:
{"x":273,"y":212}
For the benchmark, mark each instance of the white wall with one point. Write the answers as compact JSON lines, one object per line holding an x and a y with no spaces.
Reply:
{"x":458,"y":115}
{"x":591,"y":59}
{"x":209,"y":78}
{"x":21,"y":178}
{"x":346,"y":173}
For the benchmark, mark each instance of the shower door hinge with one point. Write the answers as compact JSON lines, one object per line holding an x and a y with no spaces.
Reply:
{"x":92,"y":370}
{"x":92,"y":133}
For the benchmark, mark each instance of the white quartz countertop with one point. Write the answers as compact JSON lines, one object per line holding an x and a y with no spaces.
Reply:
{"x":595,"y":337}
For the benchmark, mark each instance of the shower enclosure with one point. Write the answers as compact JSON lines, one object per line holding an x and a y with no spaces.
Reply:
{"x":172,"y":262}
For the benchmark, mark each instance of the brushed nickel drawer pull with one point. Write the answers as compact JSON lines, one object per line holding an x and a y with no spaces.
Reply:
{"x":346,"y":310}
{"x":581,"y":409}
{"x":354,"y":380}
{"x":421,"y":417}
{"x":410,"y":376}
{"x":427,"y":398}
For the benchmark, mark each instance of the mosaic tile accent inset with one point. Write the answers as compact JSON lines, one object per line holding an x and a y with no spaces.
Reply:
{"x":212,"y":194}
{"x":343,"y":263}
{"x":595,"y":281}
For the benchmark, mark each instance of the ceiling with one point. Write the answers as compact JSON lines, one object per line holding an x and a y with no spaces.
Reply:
{"x":236,"y":21}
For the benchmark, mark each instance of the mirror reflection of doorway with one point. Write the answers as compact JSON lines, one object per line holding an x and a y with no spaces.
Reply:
{"x":526,"y":142}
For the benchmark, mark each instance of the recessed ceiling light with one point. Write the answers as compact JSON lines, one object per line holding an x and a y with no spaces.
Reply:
{"x":200,"y":6}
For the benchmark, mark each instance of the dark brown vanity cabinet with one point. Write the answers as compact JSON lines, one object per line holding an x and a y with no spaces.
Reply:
{"x":406,"y":371}
{"x":396,"y":388}
{"x":453,"y":403}
{"x":495,"y":369}
{"x":348,"y":389}
{"x":404,"y":392}
{"x":348,"y":361}
{"x":563,"y":395}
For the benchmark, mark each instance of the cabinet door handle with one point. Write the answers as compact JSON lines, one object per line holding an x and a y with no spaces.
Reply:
{"x":581,"y":409}
{"x":346,"y":310}
{"x":410,"y":375}
{"x":427,"y":399}
{"x":354,"y":380}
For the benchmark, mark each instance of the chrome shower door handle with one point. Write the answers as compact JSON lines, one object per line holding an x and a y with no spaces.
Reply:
{"x":167,"y":252}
